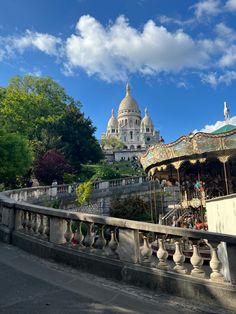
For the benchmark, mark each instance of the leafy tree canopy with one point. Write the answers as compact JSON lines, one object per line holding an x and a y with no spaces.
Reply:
{"x":40,"y":110}
{"x":112,"y":143}
{"x":77,"y":138}
{"x":83,"y":192}
{"x":16,"y":158}
{"x":52,"y":165}
{"x":132,"y":207}
{"x":29,"y":104}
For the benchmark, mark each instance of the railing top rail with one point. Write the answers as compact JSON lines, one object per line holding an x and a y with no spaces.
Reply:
{"x":218,"y":198}
{"x":41,"y":187}
{"x":27,"y":189}
{"x":121,"y":223}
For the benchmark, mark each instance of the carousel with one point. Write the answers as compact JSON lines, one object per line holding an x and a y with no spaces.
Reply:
{"x":201,"y":165}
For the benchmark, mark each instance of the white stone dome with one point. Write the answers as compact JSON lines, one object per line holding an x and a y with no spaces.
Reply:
{"x":113,"y":122}
{"x":147,"y":122}
{"x":128,"y":104}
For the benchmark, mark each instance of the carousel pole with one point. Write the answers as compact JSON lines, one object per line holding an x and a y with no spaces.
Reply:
{"x":177,"y":165}
{"x":155,"y":200}
{"x":151,"y":209}
{"x":226,"y":179}
{"x":224,"y":159}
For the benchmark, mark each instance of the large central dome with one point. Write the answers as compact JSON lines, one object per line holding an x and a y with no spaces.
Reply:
{"x":128,"y":104}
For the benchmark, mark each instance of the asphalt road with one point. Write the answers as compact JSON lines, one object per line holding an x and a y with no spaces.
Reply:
{"x":30,"y":285}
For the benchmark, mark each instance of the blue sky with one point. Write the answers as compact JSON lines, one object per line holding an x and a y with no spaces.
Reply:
{"x":179,"y":56}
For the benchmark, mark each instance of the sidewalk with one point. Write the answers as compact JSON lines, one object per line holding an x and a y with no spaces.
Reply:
{"x":32,"y":285}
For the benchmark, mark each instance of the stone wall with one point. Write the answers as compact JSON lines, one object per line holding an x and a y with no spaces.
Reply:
{"x":221,"y":214}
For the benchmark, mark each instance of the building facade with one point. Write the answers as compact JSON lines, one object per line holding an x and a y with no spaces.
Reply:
{"x":134,"y":132}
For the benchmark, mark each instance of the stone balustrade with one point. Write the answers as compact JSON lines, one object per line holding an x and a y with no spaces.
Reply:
{"x":157,"y":250}
{"x":35,"y":193}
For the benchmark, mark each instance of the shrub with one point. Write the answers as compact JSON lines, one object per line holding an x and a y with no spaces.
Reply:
{"x":132,"y":207}
{"x":83,"y":192}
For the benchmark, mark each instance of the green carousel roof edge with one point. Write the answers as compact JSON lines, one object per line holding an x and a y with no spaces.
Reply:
{"x":225,"y":128}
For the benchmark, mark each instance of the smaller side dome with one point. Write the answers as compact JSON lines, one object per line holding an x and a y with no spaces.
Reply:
{"x":113,"y":122}
{"x":147,"y":122}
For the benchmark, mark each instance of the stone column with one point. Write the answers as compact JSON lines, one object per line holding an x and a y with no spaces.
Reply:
{"x":8,"y":221}
{"x":57,"y":230}
{"x":128,"y":249}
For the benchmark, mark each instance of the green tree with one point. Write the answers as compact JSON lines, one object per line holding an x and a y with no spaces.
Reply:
{"x":16,"y":158}
{"x":40,"y":110}
{"x":112,"y":143}
{"x":106,"y":172}
{"x":52,"y":165}
{"x":77,"y":138}
{"x":31,"y":106}
{"x":83,"y":192}
{"x":132,"y":207}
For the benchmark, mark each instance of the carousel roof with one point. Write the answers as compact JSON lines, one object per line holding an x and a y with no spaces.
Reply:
{"x":225,"y":128}
{"x":193,"y":147}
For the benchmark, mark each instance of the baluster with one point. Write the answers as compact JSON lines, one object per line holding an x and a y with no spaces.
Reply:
{"x":101,"y":242}
{"x":197,"y":261}
{"x":179,"y":258}
{"x":29,"y":221}
{"x":89,"y":238}
{"x":35,"y":223}
{"x":41,"y":226}
{"x":24,"y":220}
{"x":78,"y":236}
{"x":113,"y":244}
{"x":145,"y":252}
{"x":215,"y":263}
{"x":162,"y":255}
{"x":68,"y":233}
{"x":47,"y":227}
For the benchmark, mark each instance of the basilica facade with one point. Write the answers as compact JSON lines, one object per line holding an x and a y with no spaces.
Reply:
{"x":129,"y":128}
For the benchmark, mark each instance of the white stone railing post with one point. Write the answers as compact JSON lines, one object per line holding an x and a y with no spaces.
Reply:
{"x":57,"y":230}
{"x":128,"y":249}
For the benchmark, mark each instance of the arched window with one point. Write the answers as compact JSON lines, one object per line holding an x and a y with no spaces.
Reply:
{"x":131,"y":135}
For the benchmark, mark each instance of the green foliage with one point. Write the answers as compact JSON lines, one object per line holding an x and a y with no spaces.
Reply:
{"x":40,"y":110}
{"x":56,"y":203}
{"x":83,"y":192}
{"x":30,"y":106}
{"x":77,"y":138}
{"x":51,"y":166}
{"x":112,"y":143}
{"x":132,"y":207}
{"x":15,"y":158}
{"x":105,"y":171}
{"x":69,"y":178}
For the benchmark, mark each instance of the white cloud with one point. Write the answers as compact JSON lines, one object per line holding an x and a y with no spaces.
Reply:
{"x":117,"y":50}
{"x":43,"y":42}
{"x":215,"y":79}
{"x":229,"y":58}
{"x":2,"y":53}
{"x":209,"y":128}
{"x":11,"y":45}
{"x":225,"y":32}
{"x":231,"y":5}
{"x":163,"y":19}
{"x":206,"y":8}
{"x":210,"y":78}
{"x":182,"y":84}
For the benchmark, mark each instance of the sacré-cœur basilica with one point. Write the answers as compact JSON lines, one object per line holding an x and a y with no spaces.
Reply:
{"x":129,"y":128}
